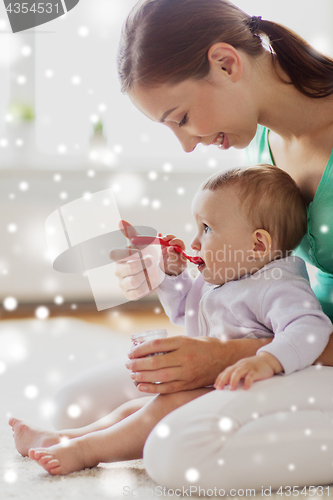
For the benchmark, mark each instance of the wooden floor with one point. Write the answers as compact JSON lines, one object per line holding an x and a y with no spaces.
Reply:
{"x":127,"y":319}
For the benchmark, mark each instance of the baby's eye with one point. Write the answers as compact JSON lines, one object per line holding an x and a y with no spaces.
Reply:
{"x":184,"y":120}
{"x":206,"y":228}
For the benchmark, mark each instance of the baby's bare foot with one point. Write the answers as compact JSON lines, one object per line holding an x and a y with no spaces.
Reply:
{"x":26,"y":436}
{"x":64,"y":458}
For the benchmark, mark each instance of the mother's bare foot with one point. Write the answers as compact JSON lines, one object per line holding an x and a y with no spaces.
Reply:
{"x":65,"y":457}
{"x":26,"y":436}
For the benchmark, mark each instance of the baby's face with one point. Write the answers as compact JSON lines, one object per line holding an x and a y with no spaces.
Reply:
{"x":224,"y":236}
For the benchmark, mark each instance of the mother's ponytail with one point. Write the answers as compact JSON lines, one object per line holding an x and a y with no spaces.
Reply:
{"x":167,"y":41}
{"x":308,"y":70}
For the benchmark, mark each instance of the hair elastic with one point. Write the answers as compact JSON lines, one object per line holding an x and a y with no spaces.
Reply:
{"x":253,"y":23}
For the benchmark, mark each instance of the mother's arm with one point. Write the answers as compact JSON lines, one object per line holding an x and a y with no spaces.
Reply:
{"x":190,"y":363}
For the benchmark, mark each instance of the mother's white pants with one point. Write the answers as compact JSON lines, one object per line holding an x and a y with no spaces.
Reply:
{"x":278,"y":433}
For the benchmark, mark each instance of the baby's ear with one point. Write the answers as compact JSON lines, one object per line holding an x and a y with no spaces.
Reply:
{"x":262,"y":243}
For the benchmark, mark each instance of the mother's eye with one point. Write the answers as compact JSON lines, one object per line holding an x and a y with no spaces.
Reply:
{"x":184,"y":120}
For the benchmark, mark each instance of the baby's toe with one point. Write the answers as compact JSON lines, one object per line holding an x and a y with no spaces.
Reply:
{"x":44,"y":459}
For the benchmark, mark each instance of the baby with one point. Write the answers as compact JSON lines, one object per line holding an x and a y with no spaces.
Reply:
{"x":248,"y":222}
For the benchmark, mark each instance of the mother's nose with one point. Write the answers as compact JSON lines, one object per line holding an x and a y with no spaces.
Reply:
{"x":188,"y":142}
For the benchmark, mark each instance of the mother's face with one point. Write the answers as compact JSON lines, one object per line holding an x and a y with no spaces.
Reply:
{"x":211,"y":111}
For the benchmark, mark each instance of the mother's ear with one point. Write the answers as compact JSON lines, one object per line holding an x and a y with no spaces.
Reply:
{"x":224,"y":57}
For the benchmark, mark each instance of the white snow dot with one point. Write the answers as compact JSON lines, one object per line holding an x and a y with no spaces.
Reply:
{"x":47,"y":408}
{"x":83,"y":31}
{"x":311,"y":400}
{"x":26,"y":51}
{"x":311,"y":338}
{"x":74,"y":411}
{"x":94,"y":118}
{"x":178,"y":286}
{"x":10,"y":303}
{"x":293,"y":408}
{"x":307,"y":432}
{"x":93,"y":155}
{"x":49,"y":73}
{"x":73,"y":306}
{"x":157,"y":310}
{"x":3,"y":24}
{"x":220,"y":461}
{"x":190,"y":312}
{"x":152,"y":175}
{"x":62,"y":148}
{"x":57,"y":177}
{"x":42,"y":312}
{"x":10,"y":476}
{"x":76,"y":80}
{"x":71,"y":357}
{"x":212,"y":163}
{"x":21,"y":80}
{"x":19,"y":142}
{"x":324,"y":447}
{"x":188,"y":228}
{"x":59,"y":300}
{"x":9,"y":118}
{"x":87,"y":196}
{"x":145,"y":202}
{"x":3,"y":367}
{"x":156,"y":204}
{"x":180,"y":191}
{"x":118,"y":149}
{"x":225,"y":424}
{"x":144,"y":138}
{"x":255,"y":415}
{"x":167,"y":167}
{"x":64,"y":441}
{"x":102,"y":107}
{"x":324,"y":229}
{"x":23,"y":186}
{"x":162,"y":430}
{"x":3,"y":143}
{"x":306,"y":304}
{"x":291,"y":467}
{"x":91,"y":173}
{"x":12,"y":228}
{"x":31,"y":392}
{"x":192,"y":475}
{"x":63,"y":195}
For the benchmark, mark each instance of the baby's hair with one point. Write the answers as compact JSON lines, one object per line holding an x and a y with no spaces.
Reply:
{"x":167,"y":41}
{"x":270,"y":199}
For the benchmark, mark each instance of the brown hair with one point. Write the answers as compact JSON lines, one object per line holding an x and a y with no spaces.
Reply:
{"x":270,"y":199}
{"x":167,"y":41}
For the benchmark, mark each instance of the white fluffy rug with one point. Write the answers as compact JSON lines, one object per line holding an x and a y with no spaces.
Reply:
{"x":36,"y":358}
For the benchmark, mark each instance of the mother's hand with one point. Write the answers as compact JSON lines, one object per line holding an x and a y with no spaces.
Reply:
{"x":139,"y":273}
{"x":188,"y":363}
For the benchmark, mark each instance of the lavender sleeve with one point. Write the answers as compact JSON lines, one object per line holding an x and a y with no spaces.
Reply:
{"x":172,"y":293}
{"x":301,"y":329}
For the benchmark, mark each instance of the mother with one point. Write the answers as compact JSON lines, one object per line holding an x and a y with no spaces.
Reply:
{"x":214,"y":75}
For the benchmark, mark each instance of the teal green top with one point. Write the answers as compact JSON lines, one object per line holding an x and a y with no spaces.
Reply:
{"x":317,"y":245}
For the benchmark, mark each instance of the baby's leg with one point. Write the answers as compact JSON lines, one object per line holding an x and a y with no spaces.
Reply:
{"x":122,"y":441}
{"x":27,"y":436}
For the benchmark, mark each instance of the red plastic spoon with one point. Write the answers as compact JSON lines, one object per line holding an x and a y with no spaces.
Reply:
{"x":151,"y":240}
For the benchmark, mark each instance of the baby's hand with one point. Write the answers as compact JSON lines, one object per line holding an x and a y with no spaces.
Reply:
{"x":263,"y":365}
{"x":173,"y":262}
